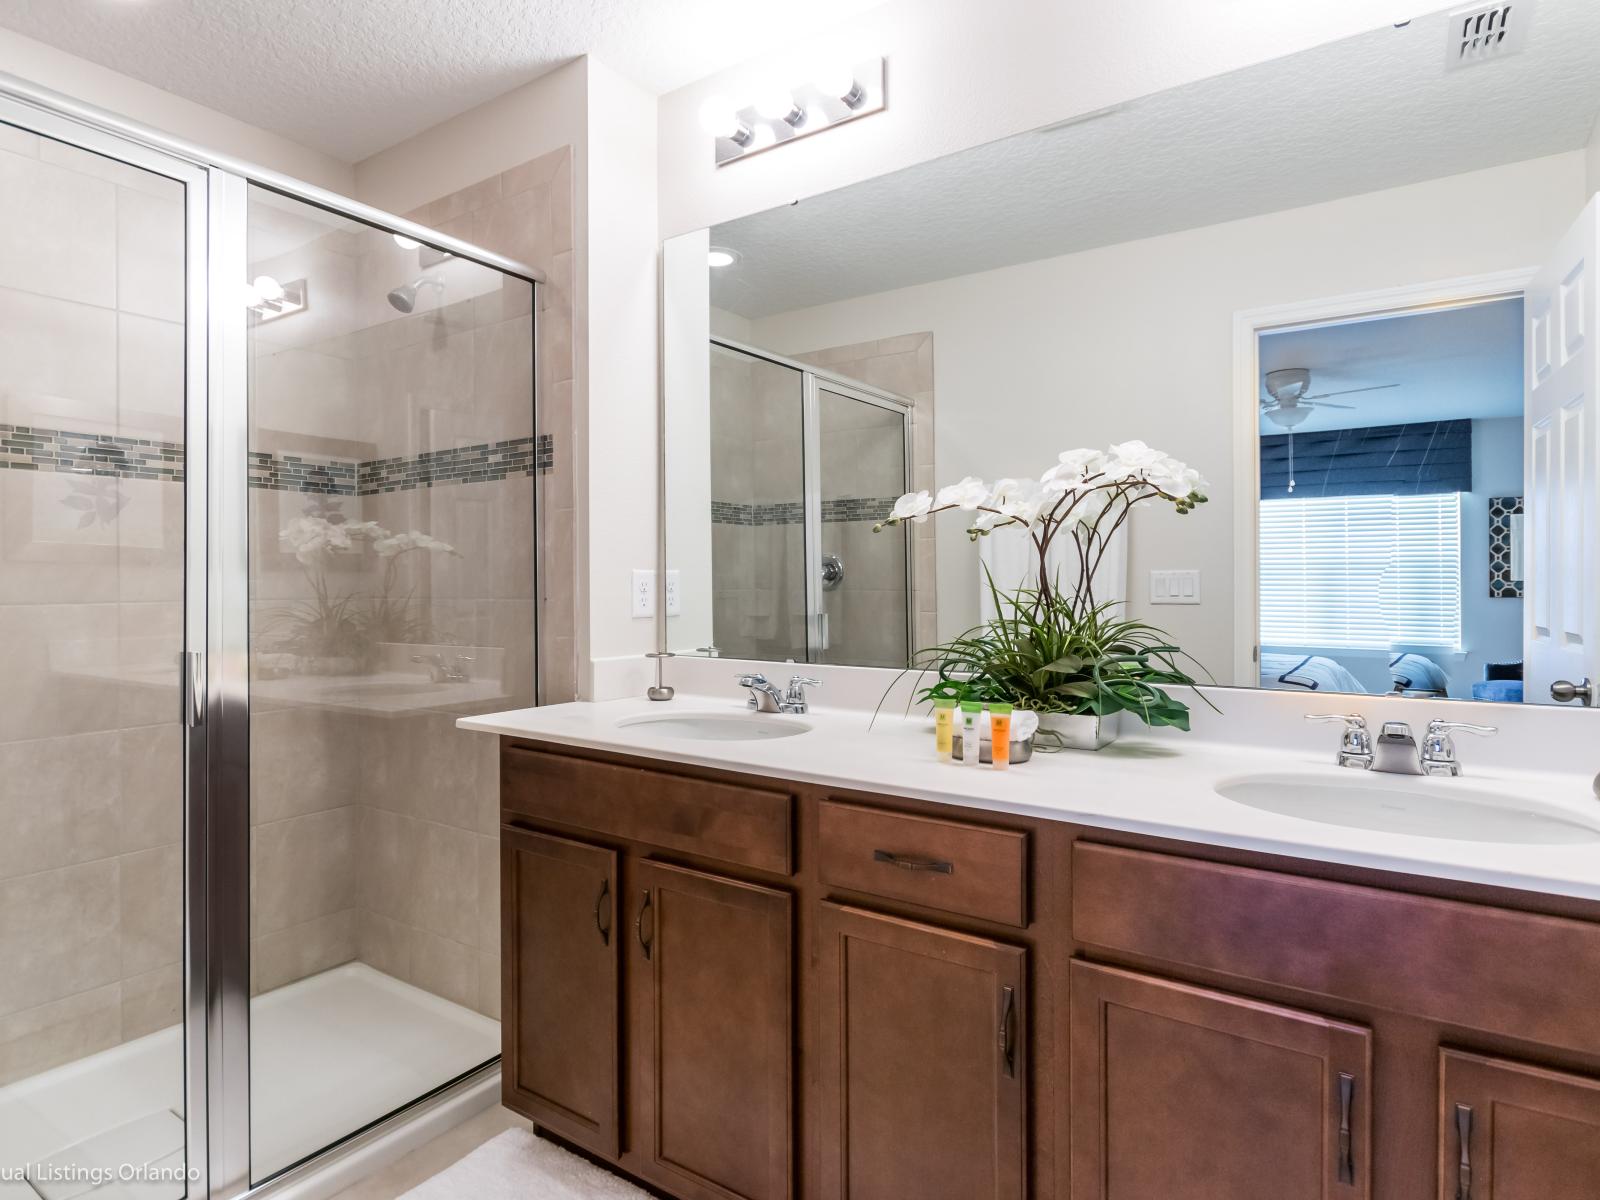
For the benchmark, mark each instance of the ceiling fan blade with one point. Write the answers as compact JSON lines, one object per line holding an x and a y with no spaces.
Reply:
{"x":1318,"y":404}
{"x":1378,"y":387}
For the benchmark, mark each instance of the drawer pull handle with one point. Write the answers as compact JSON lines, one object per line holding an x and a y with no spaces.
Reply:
{"x":1464,"y":1165}
{"x":1347,"y":1097}
{"x":600,"y":901}
{"x":1008,"y":1031}
{"x":638,"y":925}
{"x":907,"y":862}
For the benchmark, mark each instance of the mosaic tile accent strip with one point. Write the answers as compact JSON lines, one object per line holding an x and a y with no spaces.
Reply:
{"x":481,"y":463}
{"x":30,"y":448}
{"x":293,"y":473}
{"x":871,"y":508}
{"x":1503,"y":584}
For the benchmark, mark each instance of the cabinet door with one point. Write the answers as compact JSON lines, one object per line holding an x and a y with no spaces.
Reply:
{"x":716,"y":1038}
{"x":559,"y":985}
{"x":1509,"y":1131}
{"x":1179,"y":1091}
{"x":922,"y":1061}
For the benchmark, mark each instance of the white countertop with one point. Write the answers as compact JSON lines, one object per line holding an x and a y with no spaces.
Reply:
{"x":1157,"y":786}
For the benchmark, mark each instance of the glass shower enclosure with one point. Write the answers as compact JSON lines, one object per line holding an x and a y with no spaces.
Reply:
{"x":267,"y":512}
{"x":803,"y":464}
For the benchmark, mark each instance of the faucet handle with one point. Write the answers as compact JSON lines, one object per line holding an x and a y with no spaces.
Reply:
{"x":1355,"y":748}
{"x":1438,"y":726}
{"x":753,"y":679}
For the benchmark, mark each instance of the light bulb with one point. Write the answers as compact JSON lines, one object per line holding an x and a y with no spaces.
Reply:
{"x":268,"y":288}
{"x":762,"y":137}
{"x":836,"y":80}
{"x":779,"y":105}
{"x":719,"y":257}
{"x":248,"y":294}
{"x":406,"y":243}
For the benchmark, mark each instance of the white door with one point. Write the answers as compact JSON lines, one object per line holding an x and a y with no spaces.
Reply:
{"x":1561,"y":610}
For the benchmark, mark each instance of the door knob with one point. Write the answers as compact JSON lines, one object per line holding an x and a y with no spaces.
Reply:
{"x":1564,"y":691}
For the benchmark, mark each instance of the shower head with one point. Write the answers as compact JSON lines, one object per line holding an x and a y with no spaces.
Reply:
{"x":404,"y":299}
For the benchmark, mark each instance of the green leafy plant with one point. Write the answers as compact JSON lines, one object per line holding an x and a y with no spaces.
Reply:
{"x":1045,"y":655}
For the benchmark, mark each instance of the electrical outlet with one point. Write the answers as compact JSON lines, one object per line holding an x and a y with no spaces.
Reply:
{"x":674,"y":598}
{"x":643,"y":592}
{"x":1174,"y":587}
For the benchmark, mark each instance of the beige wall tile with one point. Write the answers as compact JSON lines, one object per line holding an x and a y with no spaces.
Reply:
{"x":286,"y":955}
{"x":383,"y":944}
{"x":489,"y":985}
{"x":152,"y":909}
{"x":58,"y":231}
{"x":59,"y":802}
{"x":150,"y":255}
{"x":152,"y":1001}
{"x":150,"y":788}
{"x":302,"y":867}
{"x":445,"y":968}
{"x":58,"y":362}
{"x":60,"y":1031}
{"x":59,"y":934}
{"x":444,"y":889}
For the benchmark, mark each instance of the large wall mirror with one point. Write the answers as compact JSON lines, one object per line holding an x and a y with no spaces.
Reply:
{"x":1354,"y":287}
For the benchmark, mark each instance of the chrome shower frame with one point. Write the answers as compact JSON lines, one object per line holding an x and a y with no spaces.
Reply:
{"x":216,"y":699}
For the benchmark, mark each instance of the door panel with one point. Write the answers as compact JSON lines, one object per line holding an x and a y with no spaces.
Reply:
{"x":714,"y":1057}
{"x":1179,"y":1091}
{"x":1509,"y":1131}
{"x":560,"y":939}
{"x":922,"y":1061}
{"x":1561,"y":621}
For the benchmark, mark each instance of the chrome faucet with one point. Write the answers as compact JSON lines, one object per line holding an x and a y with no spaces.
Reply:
{"x":765,"y":697}
{"x":1395,"y":751}
{"x":441,"y":672}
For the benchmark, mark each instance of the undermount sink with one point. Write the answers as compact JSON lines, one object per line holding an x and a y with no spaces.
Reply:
{"x":718,"y":727}
{"x":1437,"y":808}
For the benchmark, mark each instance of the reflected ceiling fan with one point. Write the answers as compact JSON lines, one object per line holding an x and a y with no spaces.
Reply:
{"x":1289,"y":401}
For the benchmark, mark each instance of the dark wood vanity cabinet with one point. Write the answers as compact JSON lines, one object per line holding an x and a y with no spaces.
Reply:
{"x":559,"y":979}
{"x":1510,"y":1131}
{"x":715,"y":1036}
{"x":922,"y":1071}
{"x":1185,"y":1091}
{"x":734,"y":988}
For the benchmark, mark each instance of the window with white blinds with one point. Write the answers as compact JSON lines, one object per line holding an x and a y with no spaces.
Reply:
{"x":1361,"y":572}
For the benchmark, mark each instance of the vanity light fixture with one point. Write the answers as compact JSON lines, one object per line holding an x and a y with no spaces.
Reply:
{"x":406,"y":243}
{"x":721,"y":256}
{"x":268,"y":300}
{"x":836,"y":94}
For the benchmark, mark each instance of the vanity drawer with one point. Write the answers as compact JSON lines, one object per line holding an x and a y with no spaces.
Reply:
{"x":971,"y":870}
{"x":1471,"y":965}
{"x":747,"y":826}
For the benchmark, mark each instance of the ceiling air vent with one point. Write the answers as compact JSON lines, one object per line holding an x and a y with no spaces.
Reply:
{"x":1486,"y":32}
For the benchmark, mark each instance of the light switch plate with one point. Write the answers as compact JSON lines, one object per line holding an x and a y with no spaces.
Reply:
{"x":1174,"y":587}
{"x":643,"y":591}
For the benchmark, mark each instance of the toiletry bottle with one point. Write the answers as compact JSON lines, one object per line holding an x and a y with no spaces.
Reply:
{"x":971,"y":746}
{"x":999,"y":735}
{"x":944,"y":726}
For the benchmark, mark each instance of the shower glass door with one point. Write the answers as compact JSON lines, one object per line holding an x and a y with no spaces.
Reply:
{"x":101,"y":380}
{"x":862,"y":579}
{"x":391,"y":591}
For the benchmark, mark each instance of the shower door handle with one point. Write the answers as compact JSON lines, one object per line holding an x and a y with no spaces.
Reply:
{"x":193,"y":688}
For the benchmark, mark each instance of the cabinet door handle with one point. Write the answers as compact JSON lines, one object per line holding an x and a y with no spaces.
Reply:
{"x":907,"y":862}
{"x":600,"y":901}
{"x":1008,"y":1031}
{"x":1464,"y":1164}
{"x":638,"y":925}
{"x":1347,"y":1099}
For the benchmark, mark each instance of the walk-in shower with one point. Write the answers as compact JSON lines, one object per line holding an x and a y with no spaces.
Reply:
{"x":255,"y":558}
{"x":803,"y":463}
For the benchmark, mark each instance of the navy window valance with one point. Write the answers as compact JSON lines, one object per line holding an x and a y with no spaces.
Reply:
{"x":1382,"y":460}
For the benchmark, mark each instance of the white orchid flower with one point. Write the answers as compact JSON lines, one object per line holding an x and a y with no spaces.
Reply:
{"x":967,"y":494}
{"x":912,"y":506}
{"x":1020,"y":500}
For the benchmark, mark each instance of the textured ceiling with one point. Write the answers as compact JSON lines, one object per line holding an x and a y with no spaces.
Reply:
{"x":1453,"y":364}
{"x":351,"y":77}
{"x":1371,"y":112}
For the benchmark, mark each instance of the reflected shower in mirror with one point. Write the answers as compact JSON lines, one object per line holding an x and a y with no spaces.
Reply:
{"x":1348,"y":286}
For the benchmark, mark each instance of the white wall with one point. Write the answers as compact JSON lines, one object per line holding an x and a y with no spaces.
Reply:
{"x":1592,"y":160}
{"x":960,"y":74}
{"x":687,"y":323}
{"x":619,"y":339}
{"x":1136,"y":341}
{"x":91,"y":83}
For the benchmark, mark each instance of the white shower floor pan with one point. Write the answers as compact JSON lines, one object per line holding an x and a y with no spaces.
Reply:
{"x":329,"y":1054}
